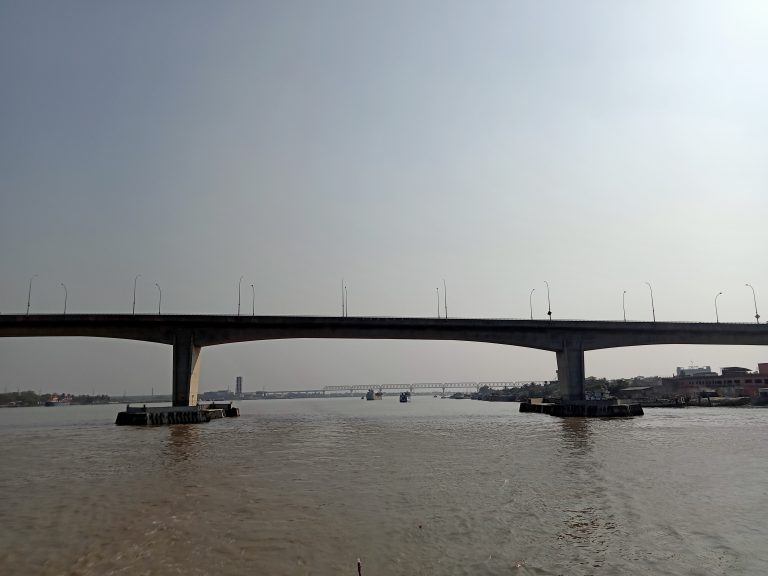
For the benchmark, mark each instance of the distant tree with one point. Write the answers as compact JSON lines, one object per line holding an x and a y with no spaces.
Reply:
{"x":616,"y":385}
{"x":593,"y":384}
{"x":26,"y":397}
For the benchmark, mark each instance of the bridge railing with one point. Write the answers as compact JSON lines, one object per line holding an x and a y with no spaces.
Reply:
{"x":247,"y":318}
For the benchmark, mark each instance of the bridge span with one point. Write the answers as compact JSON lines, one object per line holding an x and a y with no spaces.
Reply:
{"x":189,"y":334}
{"x":431,"y":386}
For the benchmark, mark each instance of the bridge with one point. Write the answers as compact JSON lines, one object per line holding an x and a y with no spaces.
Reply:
{"x":431,"y":386}
{"x":189,"y":334}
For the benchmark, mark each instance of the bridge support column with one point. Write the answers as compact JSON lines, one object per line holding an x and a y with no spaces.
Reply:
{"x":186,"y":370}
{"x":570,"y":372}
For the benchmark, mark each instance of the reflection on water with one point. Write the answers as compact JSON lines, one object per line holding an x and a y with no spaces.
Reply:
{"x":429,"y":487}
{"x":587,"y":522}
{"x":182,"y":443}
{"x":575,"y":434}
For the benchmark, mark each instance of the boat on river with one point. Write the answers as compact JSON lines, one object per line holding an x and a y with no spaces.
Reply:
{"x":58,"y":401}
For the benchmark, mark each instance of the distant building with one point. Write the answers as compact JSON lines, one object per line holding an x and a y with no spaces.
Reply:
{"x":214,"y":395}
{"x":733,"y":381}
{"x":734,"y":371}
{"x":695,"y":371}
{"x":239,"y":386}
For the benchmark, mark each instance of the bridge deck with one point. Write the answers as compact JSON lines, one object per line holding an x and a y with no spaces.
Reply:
{"x":210,"y":330}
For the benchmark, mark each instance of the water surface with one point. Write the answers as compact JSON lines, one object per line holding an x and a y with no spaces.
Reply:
{"x":430,"y":487}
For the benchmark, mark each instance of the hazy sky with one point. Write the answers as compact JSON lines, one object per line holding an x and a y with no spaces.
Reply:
{"x":595,"y":145}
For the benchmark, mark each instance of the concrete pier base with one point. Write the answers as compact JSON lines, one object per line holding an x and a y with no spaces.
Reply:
{"x":168,"y":415}
{"x":584,"y":408}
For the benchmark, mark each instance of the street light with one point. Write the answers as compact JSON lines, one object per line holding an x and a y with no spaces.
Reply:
{"x":343,"y":305}
{"x":530,"y":301}
{"x":549,"y":305}
{"x":653,"y":309}
{"x":65,"y":297}
{"x":160,"y":301}
{"x":346,"y":301}
{"x":445,"y":298}
{"x":238,"y":295}
{"x":253,"y":301}
{"x":438,"y":301}
{"x":757,"y":316}
{"x":134,"y":293}
{"x":29,"y":292}
{"x":717,"y":317}
{"x":623,"y":305}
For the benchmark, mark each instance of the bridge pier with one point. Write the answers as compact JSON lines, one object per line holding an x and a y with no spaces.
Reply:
{"x":570,"y":372}
{"x":186,"y":370}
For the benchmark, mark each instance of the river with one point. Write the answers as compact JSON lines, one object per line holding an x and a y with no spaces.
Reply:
{"x":430,"y":487}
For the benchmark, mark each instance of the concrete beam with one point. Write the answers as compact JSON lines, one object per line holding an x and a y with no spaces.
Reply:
{"x":186,"y":370}
{"x":540,"y":334}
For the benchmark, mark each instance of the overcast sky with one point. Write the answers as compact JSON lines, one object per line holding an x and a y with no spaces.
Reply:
{"x":496,"y":145}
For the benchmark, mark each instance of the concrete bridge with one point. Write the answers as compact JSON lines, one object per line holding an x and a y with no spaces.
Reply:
{"x":189,"y":334}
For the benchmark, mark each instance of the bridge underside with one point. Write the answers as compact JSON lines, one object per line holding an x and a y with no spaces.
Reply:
{"x":186,"y":371}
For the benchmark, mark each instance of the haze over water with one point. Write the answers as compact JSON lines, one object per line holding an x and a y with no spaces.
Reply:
{"x":431,"y":487}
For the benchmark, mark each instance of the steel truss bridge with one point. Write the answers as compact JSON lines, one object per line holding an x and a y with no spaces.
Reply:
{"x":434,"y":386}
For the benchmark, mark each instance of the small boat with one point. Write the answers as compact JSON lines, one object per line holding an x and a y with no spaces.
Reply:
{"x":405,"y":396}
{"x":371,"y":395}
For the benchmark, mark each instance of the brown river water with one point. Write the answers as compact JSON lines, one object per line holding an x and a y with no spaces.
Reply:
{"x":430,"y":487}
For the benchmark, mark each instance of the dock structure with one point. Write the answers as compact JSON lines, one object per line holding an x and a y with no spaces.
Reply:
{"x":166,"y":415}
{"x":611,"y":408}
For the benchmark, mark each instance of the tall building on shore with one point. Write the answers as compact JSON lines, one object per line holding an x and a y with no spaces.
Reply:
{"x":239,"y":386}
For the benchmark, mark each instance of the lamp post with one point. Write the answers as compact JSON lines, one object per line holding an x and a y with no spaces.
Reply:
{"x":549,"y":304}
{"x":438,"y":301}
{"x":253,"y":301}
{"x":445,"y":298}
{"x":238,"y":294}
{"x":135,"y":279}
{"x":623,"y":305}
{"x":343,"y":306}
{"x":754,"y":298}
{"x":160,"y":301}
{"x":530,"y":301}
{"x":65,"y":297}
{"x":346,"y":301}
{"x":717,"y":317}
{"x":29,"y":293}
{"x":653,"y":309}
